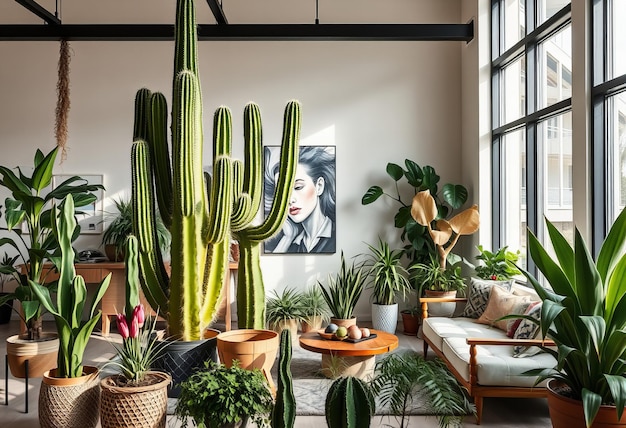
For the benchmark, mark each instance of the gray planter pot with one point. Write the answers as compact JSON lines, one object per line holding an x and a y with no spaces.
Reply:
{"x":385,"y":317}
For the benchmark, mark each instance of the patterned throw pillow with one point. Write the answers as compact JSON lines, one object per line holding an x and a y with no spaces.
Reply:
{"x":513,"y":324}
{"x":478,"y":296}
{"x":501,"y":303}
{"x":528,"y":330}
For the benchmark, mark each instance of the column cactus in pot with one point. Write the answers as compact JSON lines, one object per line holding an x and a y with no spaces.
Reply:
{"x":201,"y":211}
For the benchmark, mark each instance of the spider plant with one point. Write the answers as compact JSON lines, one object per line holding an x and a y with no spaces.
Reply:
{"x":314,"y":305}
{"x":344,"y":289}
{"x":284,"y":306}
{"x":388,"y":277}
{"x":403,"y":378}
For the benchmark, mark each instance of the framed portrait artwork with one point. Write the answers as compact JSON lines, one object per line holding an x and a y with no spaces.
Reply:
{"x":90,"y":217}
{"x":310,"y":226}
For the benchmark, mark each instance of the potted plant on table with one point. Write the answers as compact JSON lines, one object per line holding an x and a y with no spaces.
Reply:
{"x":285,"y":311}
{"x":219,"y":397}
{"x":388,"y":279}
{"x":585,"y":315}
{"x":120,"y":225}
{"x":30,"y":205}
{"x":445,"y":235}
{"x":70,"y":394}
{"x":315,"y":309}
{"x":496,"y":266}
{"x":343,"y":292}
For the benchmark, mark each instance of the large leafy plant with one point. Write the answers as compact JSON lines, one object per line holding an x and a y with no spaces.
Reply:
{"x":31,"y":203}
{"x":418,"y":243}
{"x":496,"y":265}
{"x":585,"y":315}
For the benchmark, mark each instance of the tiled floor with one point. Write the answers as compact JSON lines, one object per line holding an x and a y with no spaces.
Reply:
{"x":498,"y":412}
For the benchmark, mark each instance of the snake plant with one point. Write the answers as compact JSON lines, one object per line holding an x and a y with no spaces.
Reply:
{"x":585,"y":315}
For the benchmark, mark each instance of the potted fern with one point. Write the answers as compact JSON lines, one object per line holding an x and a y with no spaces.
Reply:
{"x":314,"y":309}
{"x":285,"y":311}
{"x":343,"y":292}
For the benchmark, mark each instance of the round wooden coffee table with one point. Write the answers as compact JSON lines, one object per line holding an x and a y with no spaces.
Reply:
{"x":343,"y":358}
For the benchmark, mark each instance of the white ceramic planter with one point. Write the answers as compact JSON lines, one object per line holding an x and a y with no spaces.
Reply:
{"x":385,"y":317}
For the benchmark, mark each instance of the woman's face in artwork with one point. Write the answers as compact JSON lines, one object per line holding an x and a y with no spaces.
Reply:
{"x":305,"y":194}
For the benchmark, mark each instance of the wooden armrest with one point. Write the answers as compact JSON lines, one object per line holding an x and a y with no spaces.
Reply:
{"x":473,"y":341}
{"x":425,"y":300}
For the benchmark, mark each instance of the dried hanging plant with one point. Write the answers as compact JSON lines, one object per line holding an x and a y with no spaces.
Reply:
{"x":63,"y":97}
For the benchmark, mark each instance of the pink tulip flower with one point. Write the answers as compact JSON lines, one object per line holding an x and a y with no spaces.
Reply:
{"x":139,"y":313}
{"x":133,"y":329}
{"x":122,"y":326}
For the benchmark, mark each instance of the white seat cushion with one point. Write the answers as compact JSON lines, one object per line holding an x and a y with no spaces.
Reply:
{"x":496,"y":364}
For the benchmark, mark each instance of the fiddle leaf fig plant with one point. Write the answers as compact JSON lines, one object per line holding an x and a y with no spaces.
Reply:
{"x":419,"y":244}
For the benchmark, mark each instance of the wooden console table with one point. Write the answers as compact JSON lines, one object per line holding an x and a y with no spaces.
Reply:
{"x":114,"y":298}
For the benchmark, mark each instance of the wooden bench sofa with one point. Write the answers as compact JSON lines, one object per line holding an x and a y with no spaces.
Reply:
{"x":481,"y":356}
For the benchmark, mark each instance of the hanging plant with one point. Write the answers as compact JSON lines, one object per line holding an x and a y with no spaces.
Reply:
{"x":63,"y":98}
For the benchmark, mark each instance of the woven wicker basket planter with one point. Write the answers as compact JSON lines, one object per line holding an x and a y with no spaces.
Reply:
{"x":135,"y":406}
{"x":70,"y":402}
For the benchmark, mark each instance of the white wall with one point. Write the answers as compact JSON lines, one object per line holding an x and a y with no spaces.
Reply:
{"x":376,"y":101}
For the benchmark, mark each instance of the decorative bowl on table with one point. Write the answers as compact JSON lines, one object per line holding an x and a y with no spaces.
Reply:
{"x":329,"y":336}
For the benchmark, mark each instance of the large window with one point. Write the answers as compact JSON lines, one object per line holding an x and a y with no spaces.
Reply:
{"x":532,"y":120}
{"x":609,"y":119}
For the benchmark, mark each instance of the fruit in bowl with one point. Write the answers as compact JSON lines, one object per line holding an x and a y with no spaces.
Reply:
{"x":331,"y":328}
{"x":354,"y":332}
{"x":365,"y":332}
{"x":341,"y":333}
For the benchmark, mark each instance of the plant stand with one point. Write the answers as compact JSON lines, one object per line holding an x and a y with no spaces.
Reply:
{"x":6,"y":383}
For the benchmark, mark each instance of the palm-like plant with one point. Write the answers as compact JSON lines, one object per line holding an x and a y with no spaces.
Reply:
{"x":585,"y":315}
{"x":344,"y":289}
{"x":403,"y":378}
{"x":284,"y":306}
{"x":388,"y":277}
{"x":314,"y":304}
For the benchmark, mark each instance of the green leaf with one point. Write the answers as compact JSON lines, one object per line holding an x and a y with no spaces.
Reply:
{"x":372,"y":194}
{"x":430,"y":179}
{"x":553,"y":273}
{"x":30,"y":307}
{"x":591,"y":405}
{"x":454,"y":195}
{"x":403,"y":217}
{"x":413,"y":173}
{"x":617,"y":385}
{"x":12,"y":182}
{"x":42,"y":176}
{"x":395,"y":171}
{"x":589,"y":288}
{"x":613,"y":246}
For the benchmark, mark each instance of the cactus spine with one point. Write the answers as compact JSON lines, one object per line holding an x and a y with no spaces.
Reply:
{"x":349,"y":404}
{"x":201,"y":212}
{"x":284,"y":412}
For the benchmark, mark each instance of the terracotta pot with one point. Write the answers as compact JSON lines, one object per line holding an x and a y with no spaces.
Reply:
{"x":568,"y":413}
{"x":312,"y":324}
{"x":445,"y":309}
{"x":142,"y":406}
{"x":112,"y":255}
{"x":180,"y":358}
{"x":253,"y":348}
{"x":343,"y":322}
{"x":41,"y":355}
{"x":411,"y":323}
{"x":70,"y":402}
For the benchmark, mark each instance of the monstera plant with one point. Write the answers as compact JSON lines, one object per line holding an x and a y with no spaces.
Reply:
{"x":202,"y":211}
{"x":419,"y":244}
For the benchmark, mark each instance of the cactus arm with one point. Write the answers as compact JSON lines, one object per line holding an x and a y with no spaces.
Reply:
{"x":284,"y":412}
{"x":286,"y":174}
{"x":162,"y":170}
{"x":253,"y":140}
{"x":221,"y":201}
{"x":140,"y":127}
{"x":250,"y":288}
{"x":186,"y":50}
{"x":215,"y":274}
{"x":349,"y":404}
{"x":153,"y":275}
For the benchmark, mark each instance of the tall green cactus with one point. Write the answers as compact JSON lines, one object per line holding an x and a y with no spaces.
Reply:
{"x":202,"y":212}
{"x":71,"y":296}
{"x":284,"y":412}
{"x":349,"y":404}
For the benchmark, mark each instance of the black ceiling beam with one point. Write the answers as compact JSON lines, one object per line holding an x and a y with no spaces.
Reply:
{"x":252,"y":32}
{"x":38,"y":10}
{"x":218,"y":12}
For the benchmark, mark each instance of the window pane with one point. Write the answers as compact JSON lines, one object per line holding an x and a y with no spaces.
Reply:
{"x":513,"y":91}
{"x":618,"y":53}
{"x":555,"y":68}
{"x":547,"y":8}
{"x":555,"y":135}
{"x":616,"y":107}
{"x":514,"y":22}
{"x":514,"y":192}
